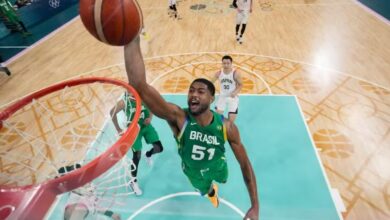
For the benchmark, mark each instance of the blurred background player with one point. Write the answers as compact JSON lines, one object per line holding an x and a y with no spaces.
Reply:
{"x":172,"y":10}
{"x":147,"y":131}
{"x":231,"y":84}
{"x":11,"y":19}
{"x":244,"y":7}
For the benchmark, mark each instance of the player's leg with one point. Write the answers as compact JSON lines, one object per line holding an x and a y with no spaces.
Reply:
{"x":137,"y":149}
{"x":239,"y":18}
{"x":151,"y":137}
{"x":204,"y":186}
{"x":136,"y":159}
{"x":221,"y":104}
{"x":244,"y":21}
{"x":218,"y":174}
{"x":174,"y":10}
{"x":197,"y":181}
{"x":237,"y":30}
{"x":233,"y":108}
{"x":221,"y":173}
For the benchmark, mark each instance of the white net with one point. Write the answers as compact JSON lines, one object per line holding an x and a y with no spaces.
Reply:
{"x":106,"y":193}
{"x":67,"y":127}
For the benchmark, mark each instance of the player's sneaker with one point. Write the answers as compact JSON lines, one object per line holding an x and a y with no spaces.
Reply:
{"x":237,"y":37}
{"x":214,"y":199}
{"x":136,"y":189}
{"x":149,"y":160}
{"x":240,"y":41}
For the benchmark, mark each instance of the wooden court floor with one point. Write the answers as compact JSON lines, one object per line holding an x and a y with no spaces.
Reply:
{"x":333,"y":55}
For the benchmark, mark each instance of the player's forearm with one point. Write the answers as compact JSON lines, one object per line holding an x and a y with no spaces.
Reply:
{"x":155,"y":102}
{"x":134,"y":63}
{"x":250,"y":181}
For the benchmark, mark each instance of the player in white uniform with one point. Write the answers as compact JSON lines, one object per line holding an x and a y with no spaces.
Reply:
{"x":172,"y":8}
{"x":230,"y":86}
{"x":244,"y":7}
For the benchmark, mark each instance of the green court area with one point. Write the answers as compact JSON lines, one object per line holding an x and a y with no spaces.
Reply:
{"x":291,"y":183}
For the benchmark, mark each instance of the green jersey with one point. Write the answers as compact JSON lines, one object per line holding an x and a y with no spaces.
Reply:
{"x":130,"y":110}
{"x":202,"y":147}
{"x":8,"y":11}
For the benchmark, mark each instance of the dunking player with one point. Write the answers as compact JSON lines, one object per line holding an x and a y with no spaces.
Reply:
{"x":200,"y":132}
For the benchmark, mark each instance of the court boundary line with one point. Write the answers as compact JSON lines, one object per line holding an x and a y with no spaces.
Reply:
{"x":40,"y":41}
{"x":372,"y":12}
{"x":318,"y":157}
{"x":173,"y":195}
{"x":215,"y":62}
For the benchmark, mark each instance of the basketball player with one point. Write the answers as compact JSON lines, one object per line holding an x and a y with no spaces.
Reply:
{"x":244,"y":7}
{"x":83,"y":200}
{"x":172,"y":9}
{"x":8,"y":14}
{"x":147,"y":132}
{"x":231,"y":85}
{"x":199,"y":132}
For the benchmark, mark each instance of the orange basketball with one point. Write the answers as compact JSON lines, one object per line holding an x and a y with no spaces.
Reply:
{"x":114,"y":22}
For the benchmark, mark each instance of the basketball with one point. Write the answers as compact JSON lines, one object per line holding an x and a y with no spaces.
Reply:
{"x":114,"y":22}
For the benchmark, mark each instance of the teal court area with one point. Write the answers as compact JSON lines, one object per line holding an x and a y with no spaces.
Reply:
{"x":291,"y":183}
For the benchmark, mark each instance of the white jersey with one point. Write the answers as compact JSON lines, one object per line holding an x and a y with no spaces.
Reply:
{"x":227,"y":81}
{"x":244,"y":5}
{"x":171,"y":2}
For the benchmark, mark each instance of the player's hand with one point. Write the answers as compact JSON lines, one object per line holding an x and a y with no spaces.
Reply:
{"x":147,"y":121}
{"x":120,"y":133}
{"x":252,"y":214}
{"x":233,"y":95}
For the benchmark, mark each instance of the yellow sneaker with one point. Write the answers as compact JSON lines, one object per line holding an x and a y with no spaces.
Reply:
{"x":214,"y":199}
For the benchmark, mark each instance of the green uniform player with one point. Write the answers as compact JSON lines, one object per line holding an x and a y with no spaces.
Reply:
{"x":198,"y":130}
{"x":147,"y":131}
{"x":11,"y":19}
{"x":202,"y":152}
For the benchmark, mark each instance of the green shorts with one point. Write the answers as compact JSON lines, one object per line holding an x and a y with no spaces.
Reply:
{"x":149,"y":134}
{"x":202,"y":179}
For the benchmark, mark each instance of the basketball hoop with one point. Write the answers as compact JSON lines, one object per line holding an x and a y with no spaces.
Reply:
{"x":70,"y":116}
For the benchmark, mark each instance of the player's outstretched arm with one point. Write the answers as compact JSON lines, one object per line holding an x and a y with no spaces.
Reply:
{"x":246,"y":168}
{"x":135,"y":69}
